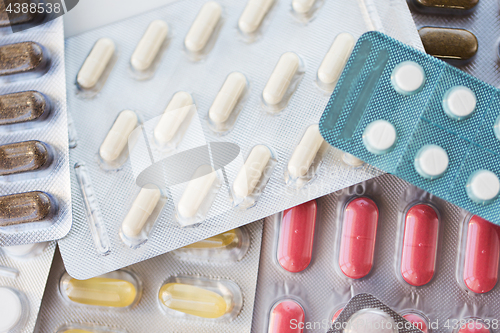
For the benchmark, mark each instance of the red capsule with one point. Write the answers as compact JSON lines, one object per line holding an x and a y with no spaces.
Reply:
{"x":417,"y":321}
{"x":473,"y":327}
{"x":420,"y":241}
{"x":359,"y":231}
{"x":296,"y":237}
{"x":481,"y":255}
{"x":287,"y":317}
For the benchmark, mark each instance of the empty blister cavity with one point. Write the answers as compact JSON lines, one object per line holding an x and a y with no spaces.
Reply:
{"x":453,"y":7}
{"x":253,"y":15}
{"x":14,"y":310}
{"x":334,"y":61}
{"x":228,"y":103}
{"x":26,"y":251}
{"x":25,"y":160}
{"x":431,"y":161}
{"x":380,"y":137}
{"x":483,"y":187}
{"x":203,"y":33}
{"x":24,"y":210}
{"x":116,"y":290}
{"x":371,"y":320}
{"x":284,"y":314}
{"x":195,"y":298}
{"x":408,"y":78}
{"x":23,"y":61}
{"x":23,"y":109}
{"x":459,"y":103}
{"x":457,"y":46}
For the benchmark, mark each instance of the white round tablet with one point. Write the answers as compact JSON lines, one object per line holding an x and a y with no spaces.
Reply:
{"x":496,"y":128}
{"x":379,"y":137}
{"x":352,"y":160}
{"x":483,"y":187}
{"x":371,"y":321}
{"x":459,"y":102}
{"x":11,"y":309}
{"x":408,"y":78}
{"x":431,"y":161}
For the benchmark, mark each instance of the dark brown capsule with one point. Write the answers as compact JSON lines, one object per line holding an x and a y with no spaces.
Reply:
{"x":13,"y":18}
{"x":24,"y":157}
{"x":449,"y":44}
{"x":25,"y":57}
{"x":25,"y":208}
{"x":22,"y":107}
{"x":445,"y":6}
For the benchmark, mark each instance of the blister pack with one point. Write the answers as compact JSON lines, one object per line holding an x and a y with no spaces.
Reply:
{"x":434,"y":263}
{"x":35,"y":194}
{"x":208,"y":286}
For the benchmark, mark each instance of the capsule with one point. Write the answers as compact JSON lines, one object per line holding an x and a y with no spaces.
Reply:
{"x":228,"y":97}
{"x":473,"y":326}
{"x":149,"y":45}
{"x":280,"y":79}
{"x":417,"y":321}
{"x":305,"y":152}
{"x":302,"y":6}
{"x":196,"y":191}
{"x":283,"y":314}
{"x":253,"y":14}
{"x":203,"y":27}
{"x":117,"y":138}
{"x":96,"y":63}
{"x":25,"y":207}
{"x":19,"y":58}
{"x":420,"y":241}
{"x":141,"y":210}
{"x":216,"y":242}
{"x":482,"y":253}
{"x":251,"y":172}
{"x":23,"y":107}
{"x":359,"y":232}
{"x":449,"y":43}
{"x":27,"y":156}
{"x":334,"y":61}
{"x":173,"y":117}
{"x":455,"y":7}
{"x":296,"y":237}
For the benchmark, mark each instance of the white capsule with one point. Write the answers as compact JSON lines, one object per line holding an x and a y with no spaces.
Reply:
{"x":227,"y":98}
{"x":483,"y":187}
{"x":96,"y":63}
{"x":334,"y":61}
{"x":117,"y":137}
{"x":379,"y":137}
{"x":253,"y":14}
{"x":141,"y":210}
{"x":196,"y":191}
{"x":203,"y":26}
{"x":431,"y":161}
{"x":408,"y":78}
{"x":11,"y":309}
{"x":149,"y":45}
{"x":280,"y":79}
{"x":173,"y":117}
{"x":251,"y":172}
{"x":459,"y":102}
{"x":302,"y":6}
{"x":305,"y":152}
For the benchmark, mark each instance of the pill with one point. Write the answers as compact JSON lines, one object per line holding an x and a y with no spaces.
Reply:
{"x":193,"y":300}
{"x":302,"y":6}
{"x":203,"y":26}
{"x":100,"y":291}
{"x":420,"y":242}
{"x":284,"y":314}
{"x":483,"y":187}
{"x":371,"y":320}
{"x":216,"y":242}
{"x":417,"y":321}
{"x":296,"y":237}
{"x":335,"y":59}
{"x":229,"y":95}
{"x":305,"y":152}
{"x":431,"y":161}
{"x":196,"y":191}
{"x":253,"y":14}
{"x":251,"y":172}
{"x":482,"y":253}
{"x":173,"y":117}
{"x":25,"y":207}
{"x":440,"y":6}
{"x":23,"y":107}
{"x":149,"y":45}
{"x":459,"y":102}
{"x":357,"y":243}
{"x":337,"y":314}
{"x":280,"y":79}
{"x":96,"y":62}
{"x":473,"y":326}
{"x":27,"y":156}
{"x":408,"y":78}
{"x":25,"y":57}
{"x":117,"y":137}
{"x":379,"y":137}
{"x":11,"y":309}
{"x":141,"y":210}
{"x":496,"y":128}
{"x":352,"y":160}
{"x":449,"y":43}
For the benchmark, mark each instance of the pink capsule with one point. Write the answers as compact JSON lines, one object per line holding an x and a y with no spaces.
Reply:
{"x":417,"y":321}
{"x":287,"y":317}
{"x":359,"y":232}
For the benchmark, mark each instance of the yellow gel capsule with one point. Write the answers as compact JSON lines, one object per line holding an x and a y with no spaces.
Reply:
{"x":217,"y":241}
{"x":192,"y":300}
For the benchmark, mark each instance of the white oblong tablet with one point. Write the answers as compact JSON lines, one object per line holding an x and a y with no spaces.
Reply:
{"x":335,"y":59}
{"x":280,"y":79}
{"x":249,"y":175}
{"x":227,"y":98}
{"x":431,"y":161}
{"x":379,"y":137}
{"x":11,"y":309}
{"x":141,"y":210}
{"x":302,"y":6}
{"x":203,"y":26}
{"x":352,"y":160}
{"x":117,"y":137}
{"x":196,"y":191}
{"x":96,"y":63}
{"x":149,"y":45}
{"x":305,"y":152}
{"x":173,"y":117}
{"x":496,"y":128}
{"x":408,"y":78}
{"x":459,"y":102}
{"x":483,"y":187}
{"x":253,"y":14}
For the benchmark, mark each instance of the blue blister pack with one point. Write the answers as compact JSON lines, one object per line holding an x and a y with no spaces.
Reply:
{"x":417,"y":105}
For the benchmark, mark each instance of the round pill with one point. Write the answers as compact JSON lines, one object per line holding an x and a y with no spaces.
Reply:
{"x":11,"y":309}
{"x":379,"y":137}
{"x":408,"y":78}
{"x":417,"y":321}
{"x":459,"y":102}
{"x":371,"y":321}
{"x":483,"y":186}
{"x":496,"y":128}
{"x":431,"y":161}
